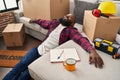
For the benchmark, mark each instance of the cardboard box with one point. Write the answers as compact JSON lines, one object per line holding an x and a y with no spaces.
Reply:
{"x":45,"y":9}
{"x":105,"y":28}
{"x":14,"y":35}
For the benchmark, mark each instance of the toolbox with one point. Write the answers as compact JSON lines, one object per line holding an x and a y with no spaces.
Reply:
{"x":106,"y":46}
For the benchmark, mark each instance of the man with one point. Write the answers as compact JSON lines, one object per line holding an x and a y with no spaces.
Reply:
{"x":59,"y":31}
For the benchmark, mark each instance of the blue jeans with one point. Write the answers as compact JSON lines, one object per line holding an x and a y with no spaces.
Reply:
{"x":20,"y":71}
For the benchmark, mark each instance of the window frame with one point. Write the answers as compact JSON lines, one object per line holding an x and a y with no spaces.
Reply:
{"x":6,"y":9}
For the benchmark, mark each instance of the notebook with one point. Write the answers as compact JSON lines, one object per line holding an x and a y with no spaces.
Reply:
{"x":60,"y":55}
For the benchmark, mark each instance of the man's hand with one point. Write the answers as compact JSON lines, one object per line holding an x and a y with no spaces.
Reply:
{"x":95,"y":58}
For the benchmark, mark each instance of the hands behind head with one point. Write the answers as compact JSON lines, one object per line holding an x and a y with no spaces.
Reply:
{"x":96,"y":59}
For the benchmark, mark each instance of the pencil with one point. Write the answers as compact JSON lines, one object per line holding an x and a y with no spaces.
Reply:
{"x":60,"y":54}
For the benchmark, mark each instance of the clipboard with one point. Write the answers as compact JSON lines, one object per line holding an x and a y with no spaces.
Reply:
{"x":60,"y":55}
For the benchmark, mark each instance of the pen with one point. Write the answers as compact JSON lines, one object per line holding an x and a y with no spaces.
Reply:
{"x":60,"y":54}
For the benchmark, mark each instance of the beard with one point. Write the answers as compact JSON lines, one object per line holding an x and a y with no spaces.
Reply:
{"x":65,"y":22}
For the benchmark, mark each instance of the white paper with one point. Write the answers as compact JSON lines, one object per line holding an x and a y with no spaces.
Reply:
{"x":67,"y":53}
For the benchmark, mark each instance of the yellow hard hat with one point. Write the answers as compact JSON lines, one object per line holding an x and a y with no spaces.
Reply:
{"x":108,"y":7}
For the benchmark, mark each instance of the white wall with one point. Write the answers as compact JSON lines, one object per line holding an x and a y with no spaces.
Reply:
{"x":118,"y":8}
{"x":71,"y":6}
{"x":20,"y":5}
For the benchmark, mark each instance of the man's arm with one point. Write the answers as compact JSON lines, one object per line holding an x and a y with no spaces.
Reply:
{"x":47,"y":24}
{"x":43,"y":23}
{"x":85,"y":44}
{"x":79,"y":39}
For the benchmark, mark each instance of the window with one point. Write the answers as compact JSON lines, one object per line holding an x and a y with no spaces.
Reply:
{"x":6,"y":5}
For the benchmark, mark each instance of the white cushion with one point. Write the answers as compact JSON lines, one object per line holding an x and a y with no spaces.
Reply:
{"x":79,"y":27}
{"x":43,"y":69}
{"x":118,"y":38}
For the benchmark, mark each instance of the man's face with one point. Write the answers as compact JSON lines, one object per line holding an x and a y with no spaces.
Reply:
{"x":70,"y":17}
{"x":67,"y":20}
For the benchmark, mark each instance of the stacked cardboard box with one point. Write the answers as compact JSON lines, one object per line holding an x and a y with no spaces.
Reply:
{"x":45,"y":9}
{"x":5,"y":19}
{"x":14,"y":35}
{"x":100,"y":27}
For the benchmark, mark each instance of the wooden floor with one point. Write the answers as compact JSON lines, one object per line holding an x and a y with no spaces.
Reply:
{"x":29,"y":43}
